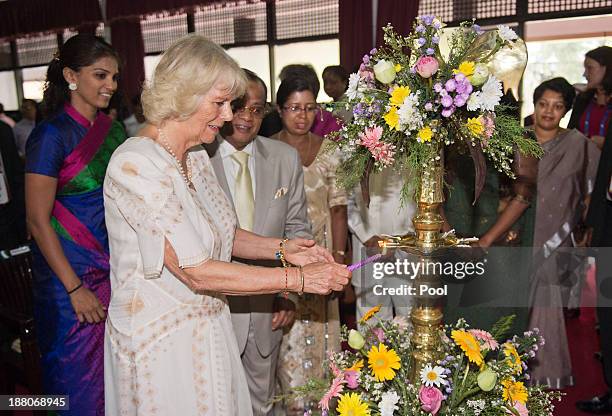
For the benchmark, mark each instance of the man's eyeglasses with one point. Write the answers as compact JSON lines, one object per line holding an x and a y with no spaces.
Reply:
{"x":295,"y":109}
{"x":258,"y":111}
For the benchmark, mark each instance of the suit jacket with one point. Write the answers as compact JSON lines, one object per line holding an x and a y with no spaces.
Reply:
{"x":600,"y":209}
{"x":277,"y":214}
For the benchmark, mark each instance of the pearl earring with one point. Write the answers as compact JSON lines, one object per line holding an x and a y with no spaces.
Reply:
{"x":72,"y":86}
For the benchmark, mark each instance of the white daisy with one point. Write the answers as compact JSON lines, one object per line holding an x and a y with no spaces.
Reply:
{"x":491,"y":93}
{"x":506,"y":34}
{"x":352,"y":92}
{"x":388,"y":403}
{"x":431,"y":376}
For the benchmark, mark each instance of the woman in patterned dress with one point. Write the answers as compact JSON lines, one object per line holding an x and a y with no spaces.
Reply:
{"x":317,"y":326}
{"x":67,"y":155}
{"x":169,"y":346}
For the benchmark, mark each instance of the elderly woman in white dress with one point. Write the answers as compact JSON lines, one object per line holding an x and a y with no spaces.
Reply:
{"x":169,"y":345}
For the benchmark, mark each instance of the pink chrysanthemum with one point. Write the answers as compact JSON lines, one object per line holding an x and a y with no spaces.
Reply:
{"x":488,"y":122}
{"x":486,"y":338}
{"x":382,"y":152}
{"x":370,"y":138}
{"x":334,"y":391}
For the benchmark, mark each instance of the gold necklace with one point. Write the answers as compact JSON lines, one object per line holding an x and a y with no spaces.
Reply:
{"x":164,"y":142}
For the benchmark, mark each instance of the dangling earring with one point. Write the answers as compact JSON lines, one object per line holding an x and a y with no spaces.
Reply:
{"x":321,"y":113}
{"x":72,"y":86}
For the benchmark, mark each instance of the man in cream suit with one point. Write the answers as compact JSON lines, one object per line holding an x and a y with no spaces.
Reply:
{"x":263,"y":178}
{"x":384,"y":216}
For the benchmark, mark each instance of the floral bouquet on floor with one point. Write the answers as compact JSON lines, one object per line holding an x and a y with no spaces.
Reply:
{"x":408,"y":99}
{"x":478,"y":374}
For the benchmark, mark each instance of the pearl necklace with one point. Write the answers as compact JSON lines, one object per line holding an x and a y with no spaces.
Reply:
{"x":164,"y":142}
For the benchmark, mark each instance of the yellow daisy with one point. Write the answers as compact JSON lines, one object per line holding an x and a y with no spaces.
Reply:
{"x":513,"y":358}
{"x":475,"y":126}
{"x":514,"y":391}
{"x":369,"y":314}
{"x":469,"y":345}
{"x":398,"y":67}
{"x":356,"y":367}
{"x":398,"y":96}
{"x":382,"y":362}
{"x":392,"y":118}
{"x":425,"y":134}
{"x":466,"y":68}
{"x":350,"y":404}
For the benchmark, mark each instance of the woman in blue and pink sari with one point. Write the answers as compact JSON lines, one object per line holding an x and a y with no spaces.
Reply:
{"x":66,"y":161}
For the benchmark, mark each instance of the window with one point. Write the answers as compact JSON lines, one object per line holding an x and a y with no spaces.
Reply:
{"x":319,"y":54}
{"x":556,"y":48}
{"x":34,"y":82}
{"x":255,"y":58}
{"x":8,"y":92}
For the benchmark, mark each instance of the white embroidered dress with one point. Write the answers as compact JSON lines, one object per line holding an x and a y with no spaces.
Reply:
{"x":168,"y":350}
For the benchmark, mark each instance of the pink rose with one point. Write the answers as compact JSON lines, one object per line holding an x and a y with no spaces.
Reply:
{"x":380,"y":334}
{"x":352,"y":379}
{"x":431,"y":399}
{"x":426,"y":66}
{"x":520,"y":408}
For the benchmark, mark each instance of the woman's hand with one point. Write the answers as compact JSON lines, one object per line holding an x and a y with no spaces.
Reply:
{"x":323,"y":278}
{"x":87,"y":306}
{"x":301,"y":252}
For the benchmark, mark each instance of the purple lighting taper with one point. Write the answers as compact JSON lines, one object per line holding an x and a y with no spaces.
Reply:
{"x":362,"y":263}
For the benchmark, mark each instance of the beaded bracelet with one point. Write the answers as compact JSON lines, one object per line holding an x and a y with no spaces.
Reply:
{"x":280,"y":254}
{"x":301,"y":291}
{"x":286,"y":292}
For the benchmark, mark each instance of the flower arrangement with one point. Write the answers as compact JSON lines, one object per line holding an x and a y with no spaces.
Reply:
{"x":406,"y":106}
{"x":478,"y":374}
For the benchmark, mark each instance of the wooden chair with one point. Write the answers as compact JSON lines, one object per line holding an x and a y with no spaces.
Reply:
{"x":17,"y":317}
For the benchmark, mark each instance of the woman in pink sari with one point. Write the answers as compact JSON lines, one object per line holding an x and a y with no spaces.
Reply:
{"x":67,"y":155}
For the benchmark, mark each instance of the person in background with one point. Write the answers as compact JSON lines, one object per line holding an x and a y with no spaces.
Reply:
{"x":316,"y":330}
{"x":593,"y":107}
{"x":6,"y":119}
{"x":12,"y":208}
{"x":136,"y":120}
{"x":24,"y":127}
{"x":335,"y":83}
{"x":599,"y":220}
{"x":66,"y":159}
{"x":170,"y":348}
{"x":277,"y":209}
{"x":324,"y":123}
{"x":386,"y":214}
{"x":566,"y":175}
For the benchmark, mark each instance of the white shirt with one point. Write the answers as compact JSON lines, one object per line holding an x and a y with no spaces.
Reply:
{"x":385,"y":214}
{"x":22,"y":130}
{"x":231,"y":166}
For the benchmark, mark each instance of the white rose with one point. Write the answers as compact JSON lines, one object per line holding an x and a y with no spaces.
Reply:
{"x":384,"y":71}
{"x":481,"y":73}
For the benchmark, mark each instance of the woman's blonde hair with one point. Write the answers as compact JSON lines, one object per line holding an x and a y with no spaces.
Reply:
{"x":187,"y":71}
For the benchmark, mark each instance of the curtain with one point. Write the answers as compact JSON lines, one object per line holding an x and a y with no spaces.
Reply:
{"x":127,"y":40}
{"x":20,"y":17}
{"x":355,"y":32}
{"x":400,"y":13}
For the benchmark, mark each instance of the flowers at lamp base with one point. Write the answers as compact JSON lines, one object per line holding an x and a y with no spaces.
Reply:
{"x":474,"y":377}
